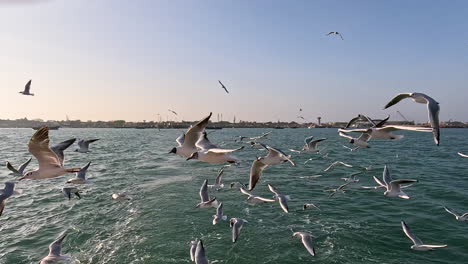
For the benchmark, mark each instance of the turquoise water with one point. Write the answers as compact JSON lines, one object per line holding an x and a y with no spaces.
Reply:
{"x":156,"y":226}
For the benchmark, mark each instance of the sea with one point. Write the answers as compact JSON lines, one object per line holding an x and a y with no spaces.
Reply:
{"x":160,"y":220}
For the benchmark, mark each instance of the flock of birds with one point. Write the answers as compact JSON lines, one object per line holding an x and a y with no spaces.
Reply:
{"x":195,"y":145}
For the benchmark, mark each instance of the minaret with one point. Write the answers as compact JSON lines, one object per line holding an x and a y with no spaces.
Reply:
{"x":319,"y":119}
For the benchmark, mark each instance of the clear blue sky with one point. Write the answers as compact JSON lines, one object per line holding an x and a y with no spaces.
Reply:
{"x":128,"y":59}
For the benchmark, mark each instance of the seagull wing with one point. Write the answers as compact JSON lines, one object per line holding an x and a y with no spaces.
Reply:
{"x":410,"y":235}
{"x":82,"y":173}
{"x":89,"y":141}
{"x":283,"y":203}
{"x":313,"y":144}
{"x":11,"y":168}
{"x":307,"y":242}
{"x":59,"y":148}
{"x":24,"y":165}
{"x":450,"y":211}
{"x":193,"y":134}
{"x":377,"y":180}
{"x":273,"y":189}
{"x":397,"y":99}
{"x":308,"y":140}
{"x":27,"y":87}
{"x":463,"y":155}
{"x":55,"y":248}
{"x":381,"y":123}
{"x":433,"y":111}
{"x":255,"y":173}
{"x":204,"y":143}
{"x":410,"y":128}
{"x":273,"y":152}
{"x":2,"y":206}
{"x":386,"y":177}
{"x":204,"y":197}
{"x":344,"y":135}
{"x":223,"y":151}
{"x":39,"y":147}
{"x":180,"y":139}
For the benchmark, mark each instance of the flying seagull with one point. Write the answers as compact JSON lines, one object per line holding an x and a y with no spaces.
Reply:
{"x":255,"y":199}
{"x":219,"y":214}
{"x":186,"y":142}
{"x":463,"y":217}
{"x":310,"y":145}
{"x":306,"y":239}
{"x":335,"y":33}
{"x":307,"y":206}
{"x":83,"y":145}
{"x":55,"y":250}
{"x":218,"y":184}
{"x":174,"y":112}
{"x":418,"y":244}
{"x":360,"y":142}
{"x":336,"y":163}
{"x":361,"y":117}
{"x":20,"y":170}
{"x":224,"y":87}
{"x":432,"y":108}
{"x":206,"y":202}
{"x":50,"y":165}
{"x":27,"y":88}
{"x":236,"y":225}
{"x":282,"y":199}
{"x":210,"y":153}
{"x":394,"y":186}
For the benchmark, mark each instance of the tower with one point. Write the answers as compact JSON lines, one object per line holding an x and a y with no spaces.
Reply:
{"x":319,"y":119}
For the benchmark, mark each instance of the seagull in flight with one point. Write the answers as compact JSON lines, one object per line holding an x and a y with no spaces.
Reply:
{"x":222,"y":86}
{"x":55,"y":250}
{"x":393,"y":186}
{"x":188,"y":140}
{"x":310,"y":145}
{"x":335,"y":33}
{"x":418,"y":244}
{"x":172,"y":111}
{"x":432,"y":108}
{"x":306,"y":239}
{"x":463,"y":217}
{"x":255,"y":199}
{"x":206,"y":202}
{"x":27,"y":88}
{"x":20,"y":170}
{"x":282,"y":199}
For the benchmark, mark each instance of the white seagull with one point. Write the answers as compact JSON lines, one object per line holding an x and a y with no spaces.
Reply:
{"x":282,"y":199}
{"x":21,"y":168}
{"x":336,"y":163}
{"x":188,"y":140}
{"x":360,"y":142}
{"x":307,"y":206}
{"x":463,"y":217}
{"x":83,"y":145}
{"x":218,"y":181}
{"x":50,"y":165}
{"x":255,"y":199}
{"x":206,"y":202}
{"x":275,"y":156}
{"x":55,"y":250}
{"x":236,"y":225}
{"x":306,"y":239}
{"x":80,"y":177}
{"x":310,"y":145}
{"x":219,"y":214}
{"x":27,"y":88}
{"x":432,"y":108}
{"x":394,"y":186}
{"x":418,"y":244}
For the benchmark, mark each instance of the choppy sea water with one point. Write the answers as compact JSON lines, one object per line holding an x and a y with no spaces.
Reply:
{"x":156,"y":226}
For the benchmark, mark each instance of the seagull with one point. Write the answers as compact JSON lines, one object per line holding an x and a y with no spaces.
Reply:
{"x":50,"y":165}
{"x":301,"y":117}
{"x":382,"y":185}
{"x":206,"y":202}
{"x":310,"y":145}
{"x":6,"y":193}
{"x":463,"y":217}
{"x":218,"y":185}
{"x":393,"y":186}
{"x":350,"y":149}
{"x":352,"y":178}
{"x":61,"y":147}
{"x":20,"y":170}
{"x":84,"y":145}
{"x":255,"y":199}
{"x":215,"y":155}
{"x":236,"y":225}
{"x":172,"y":111}
{"x":306,"y":239}
{"x":463,"y":155}
{"x":55,"y":250}
{"x":188,"y":140}
{"x":80,"y":176}
{"x":68,"y":191}
{"x":306,"y":206}
{"x":254,"y":139}
{"x":120,"y":196}
{"x":282,"y":199}
{"x":224,"y":87}
{"x":27,"y":88}
{"x":337,"y":163}
{"x":339,"y":189}
{"x":432,"y":108}
{"x":335,"y":33}
{"x":418,"y":244}
{"x":275,"y":156}
{"x":385,"y":132}
{"x":361,"y":141}
{"x":193,"y":248}
{"x":219,"y":214}
{"x":361,"y":117}
{"x":200,"y":257}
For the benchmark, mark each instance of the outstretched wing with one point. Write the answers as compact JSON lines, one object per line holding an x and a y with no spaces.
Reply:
{"x":39,"y":147}
{"x":11,"y":168}
{"x":410,"y":235}
{"x":397,"y":99}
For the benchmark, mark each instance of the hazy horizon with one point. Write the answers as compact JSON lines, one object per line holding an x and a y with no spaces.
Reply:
{"x":110,"y":60}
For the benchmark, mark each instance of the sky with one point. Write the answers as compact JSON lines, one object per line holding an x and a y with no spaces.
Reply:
{"x":132,"y":60}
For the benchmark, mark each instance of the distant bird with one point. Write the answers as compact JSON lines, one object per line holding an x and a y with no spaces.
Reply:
{"x":310,"y":145}
{"x":275,"y":156}
{"x":68,"y":191}
{"x":50,"y":165}
{"x":282,"y":199}
{"x":83,"y":145}
{"x":206,"y":202}
{"x":172,"y":111}
{"x":20,"y":170}
{"x":336,"y":163}
{"x":236,"y":225}
{"x":350,"y":149}
{"x":219,"y":214}
{"x":81,"y":175}
{"x":255,"y":199}
{"x":418,"y":244}
{"x":254,"y":139}
{"x":361,"y":117}
{"x":463,"y":155}
{"x":352,"y":178}
{"x":307,"y":206}
{"x":335,"y":33}
{"x":27,"y":88}
{"x":306,"y":239}
{"x":432,"y":108}
{"x":360,"y":142}
{"x":394,"y":186}
{"x":301,"y":117}
{"x":463,"y":217}
{"x":200,"y":256}
{"x":6,"y":193}
{"x":61,"y":147}
{"x":188,"y":140}
{"x":339,"y":189}
{"x":120,"y":196}
{"x":218,"y":181}
{"x":300,"y":109}
{"x":55,"y":250}
{"x":224,"y":87}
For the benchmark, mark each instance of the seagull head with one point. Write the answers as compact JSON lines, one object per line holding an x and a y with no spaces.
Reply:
{"x":193,"y":156}
{"x":174,"y":150}
{"x":28,"y":175}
